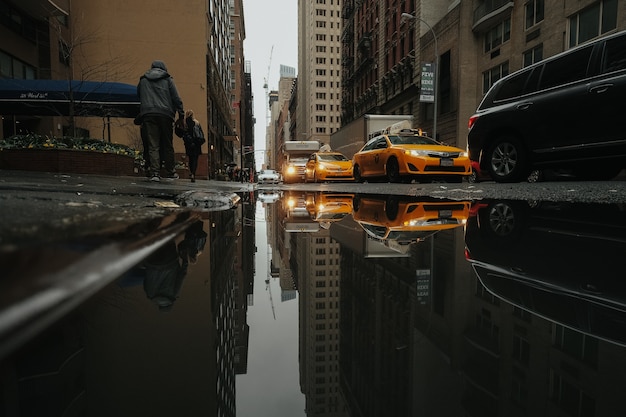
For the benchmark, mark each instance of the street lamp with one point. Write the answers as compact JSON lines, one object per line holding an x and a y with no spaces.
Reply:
{"x":408,"y":17}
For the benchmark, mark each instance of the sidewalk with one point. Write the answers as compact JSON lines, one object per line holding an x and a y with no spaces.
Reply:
{"x":40,"y":207}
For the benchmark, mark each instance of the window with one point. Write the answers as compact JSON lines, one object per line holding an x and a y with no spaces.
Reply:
{"x":567,"y":69}
{"x":512,"y":87}
{"x":592,"y":22}
{"x":494,"y":74}
{"x":533,"y":55}
{"x":521,"y":349}
{"x":498,"y":35}
{"x":614,"y":58}
{"x":576,"y":344}
{"x":534,"y":12}
{"x":570,"y":398}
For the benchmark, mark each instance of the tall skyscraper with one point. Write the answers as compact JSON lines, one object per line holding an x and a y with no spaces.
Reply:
{"x":319,"y":69}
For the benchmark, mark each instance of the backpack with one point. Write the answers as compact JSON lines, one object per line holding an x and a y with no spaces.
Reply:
{"x":198,"y":134}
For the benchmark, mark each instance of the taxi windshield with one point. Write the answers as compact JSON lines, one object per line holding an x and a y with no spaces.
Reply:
{"x":411,"y":140}
{"x":331,"y":157}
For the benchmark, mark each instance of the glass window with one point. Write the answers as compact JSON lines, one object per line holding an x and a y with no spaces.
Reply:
{"x":534,"y":12}
{"x":566,"y":69}
{"x":512,"y":87}
{"x":533,"y":55}
{"x":494,"y":74}
{"x":498,"y":35}
{"x":593,"y":22}
{"x":614,"y":58}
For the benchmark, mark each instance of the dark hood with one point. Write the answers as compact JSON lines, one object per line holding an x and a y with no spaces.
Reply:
{"x":158,"y":71}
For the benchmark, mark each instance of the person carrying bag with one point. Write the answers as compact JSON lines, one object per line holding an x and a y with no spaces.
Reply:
{"x":193,"y":137}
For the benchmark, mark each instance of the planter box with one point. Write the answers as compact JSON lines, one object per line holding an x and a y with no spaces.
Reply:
{"x":67,"y":161}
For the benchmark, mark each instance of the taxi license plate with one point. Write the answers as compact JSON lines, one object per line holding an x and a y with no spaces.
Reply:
{"x":446,"y":162}
{"x":445,"y":214}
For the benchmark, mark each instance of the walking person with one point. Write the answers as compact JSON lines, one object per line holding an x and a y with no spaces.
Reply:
{"x":159,"y":104}
{"x":193,"y":137}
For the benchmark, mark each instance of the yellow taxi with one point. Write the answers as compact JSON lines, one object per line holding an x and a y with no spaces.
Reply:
{"x":329,"y":207}
{"x":407,"y":219}
{"x":328,"y":166}
{"x":400,"y":153}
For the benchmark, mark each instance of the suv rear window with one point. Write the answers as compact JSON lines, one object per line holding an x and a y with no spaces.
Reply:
{"x":566,"y":69}
{"x":614,"y":55}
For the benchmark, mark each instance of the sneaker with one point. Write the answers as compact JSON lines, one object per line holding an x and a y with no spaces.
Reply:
{"x":173,"y":176}
{"x":193,"y":178}
{"x":155,"y":178}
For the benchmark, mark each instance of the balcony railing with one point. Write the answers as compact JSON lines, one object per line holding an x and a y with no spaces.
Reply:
{"x":490,"y":12}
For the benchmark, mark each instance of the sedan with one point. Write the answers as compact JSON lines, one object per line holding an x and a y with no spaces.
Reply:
{"x":406,"y":154}
{"x":268,"y":176}
{"x":328,"y":166}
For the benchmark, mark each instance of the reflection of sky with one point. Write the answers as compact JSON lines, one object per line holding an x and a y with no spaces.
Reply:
{"x":272,"y":386}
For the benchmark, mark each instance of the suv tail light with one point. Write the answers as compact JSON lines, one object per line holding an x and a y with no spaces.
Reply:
{"x":471,"y":121}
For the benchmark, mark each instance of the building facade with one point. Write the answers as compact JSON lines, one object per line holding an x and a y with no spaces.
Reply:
{"x":97,"y":41}
{"x":319,"y":69}
{"x":475,"y":43}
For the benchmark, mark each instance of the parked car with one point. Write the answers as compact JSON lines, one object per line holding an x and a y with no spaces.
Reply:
{"x":563,"y":112}
{"x":406,"y":154}
{"x":268,"y":176}
{"x":328,"y":166}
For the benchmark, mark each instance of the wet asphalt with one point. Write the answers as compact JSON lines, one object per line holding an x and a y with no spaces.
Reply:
{"x":41,"y":206}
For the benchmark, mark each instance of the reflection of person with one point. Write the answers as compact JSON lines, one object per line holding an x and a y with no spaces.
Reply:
{"x":164,"y":276}
{"x":159,"y":103}
{"x":193,"y":138}
{"x":193,"y":244}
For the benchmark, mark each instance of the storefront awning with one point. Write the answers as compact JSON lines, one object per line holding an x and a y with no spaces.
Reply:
{"x":55,"y":98}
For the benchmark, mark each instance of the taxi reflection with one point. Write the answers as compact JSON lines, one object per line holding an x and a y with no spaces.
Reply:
{"x":407,"y":219}
{"x":296,"y":216}
{"x":329,"y":207}
{"x":561,"y":261}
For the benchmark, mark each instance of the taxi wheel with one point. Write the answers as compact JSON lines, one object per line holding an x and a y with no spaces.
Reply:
{"x":393,"y":170}
{"x":391,"y":208}
{"x":356,"y":173}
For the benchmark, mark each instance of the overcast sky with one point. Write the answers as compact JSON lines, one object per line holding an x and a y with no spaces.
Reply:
{"x":268,"y":23}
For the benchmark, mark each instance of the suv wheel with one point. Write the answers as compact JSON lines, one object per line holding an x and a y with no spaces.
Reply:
{"x":507,"y":160}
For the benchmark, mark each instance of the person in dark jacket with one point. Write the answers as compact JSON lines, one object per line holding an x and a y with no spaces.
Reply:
{"x":193,"y":137}
{"x":159,"y":104}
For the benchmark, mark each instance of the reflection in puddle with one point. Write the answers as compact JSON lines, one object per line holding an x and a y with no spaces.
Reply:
{"x":386,"y":306}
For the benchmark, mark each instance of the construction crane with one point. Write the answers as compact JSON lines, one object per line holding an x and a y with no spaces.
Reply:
{"x":266,"y":87}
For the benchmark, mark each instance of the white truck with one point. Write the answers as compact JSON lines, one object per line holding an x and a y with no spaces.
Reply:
{"x":349,"y":139}
{"x":295,"y":156}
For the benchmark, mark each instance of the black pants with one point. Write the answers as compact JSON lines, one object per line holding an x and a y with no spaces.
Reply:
{"x":160,"y":135}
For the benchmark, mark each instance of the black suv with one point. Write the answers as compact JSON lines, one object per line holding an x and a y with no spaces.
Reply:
{"x":567,"y":111}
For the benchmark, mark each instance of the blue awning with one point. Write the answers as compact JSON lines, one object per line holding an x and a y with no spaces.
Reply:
{"x":52,"y":98}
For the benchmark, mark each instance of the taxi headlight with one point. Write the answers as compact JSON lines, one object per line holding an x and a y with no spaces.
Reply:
{"x":464,"y":155}
{"x":416,"y":152}
{"x":291,"y":169}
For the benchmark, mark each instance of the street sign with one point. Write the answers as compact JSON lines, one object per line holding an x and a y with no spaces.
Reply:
{"x":427,"y":85}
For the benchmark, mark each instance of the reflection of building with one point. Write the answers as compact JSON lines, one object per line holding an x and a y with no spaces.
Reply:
{"x":315,"y":262}
{"x":244,"y":288}
{"x":222,"y":247}
{"x":396,"y":350}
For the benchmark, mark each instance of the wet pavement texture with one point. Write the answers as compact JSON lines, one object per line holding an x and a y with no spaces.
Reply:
{"x":124,"y":297}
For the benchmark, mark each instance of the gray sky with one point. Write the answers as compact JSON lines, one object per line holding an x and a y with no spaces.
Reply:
{"x":271,"y":387}
{"x":268,"y":23}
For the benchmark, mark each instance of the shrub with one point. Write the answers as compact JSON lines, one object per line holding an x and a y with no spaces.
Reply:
{"x":33,"y":141}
